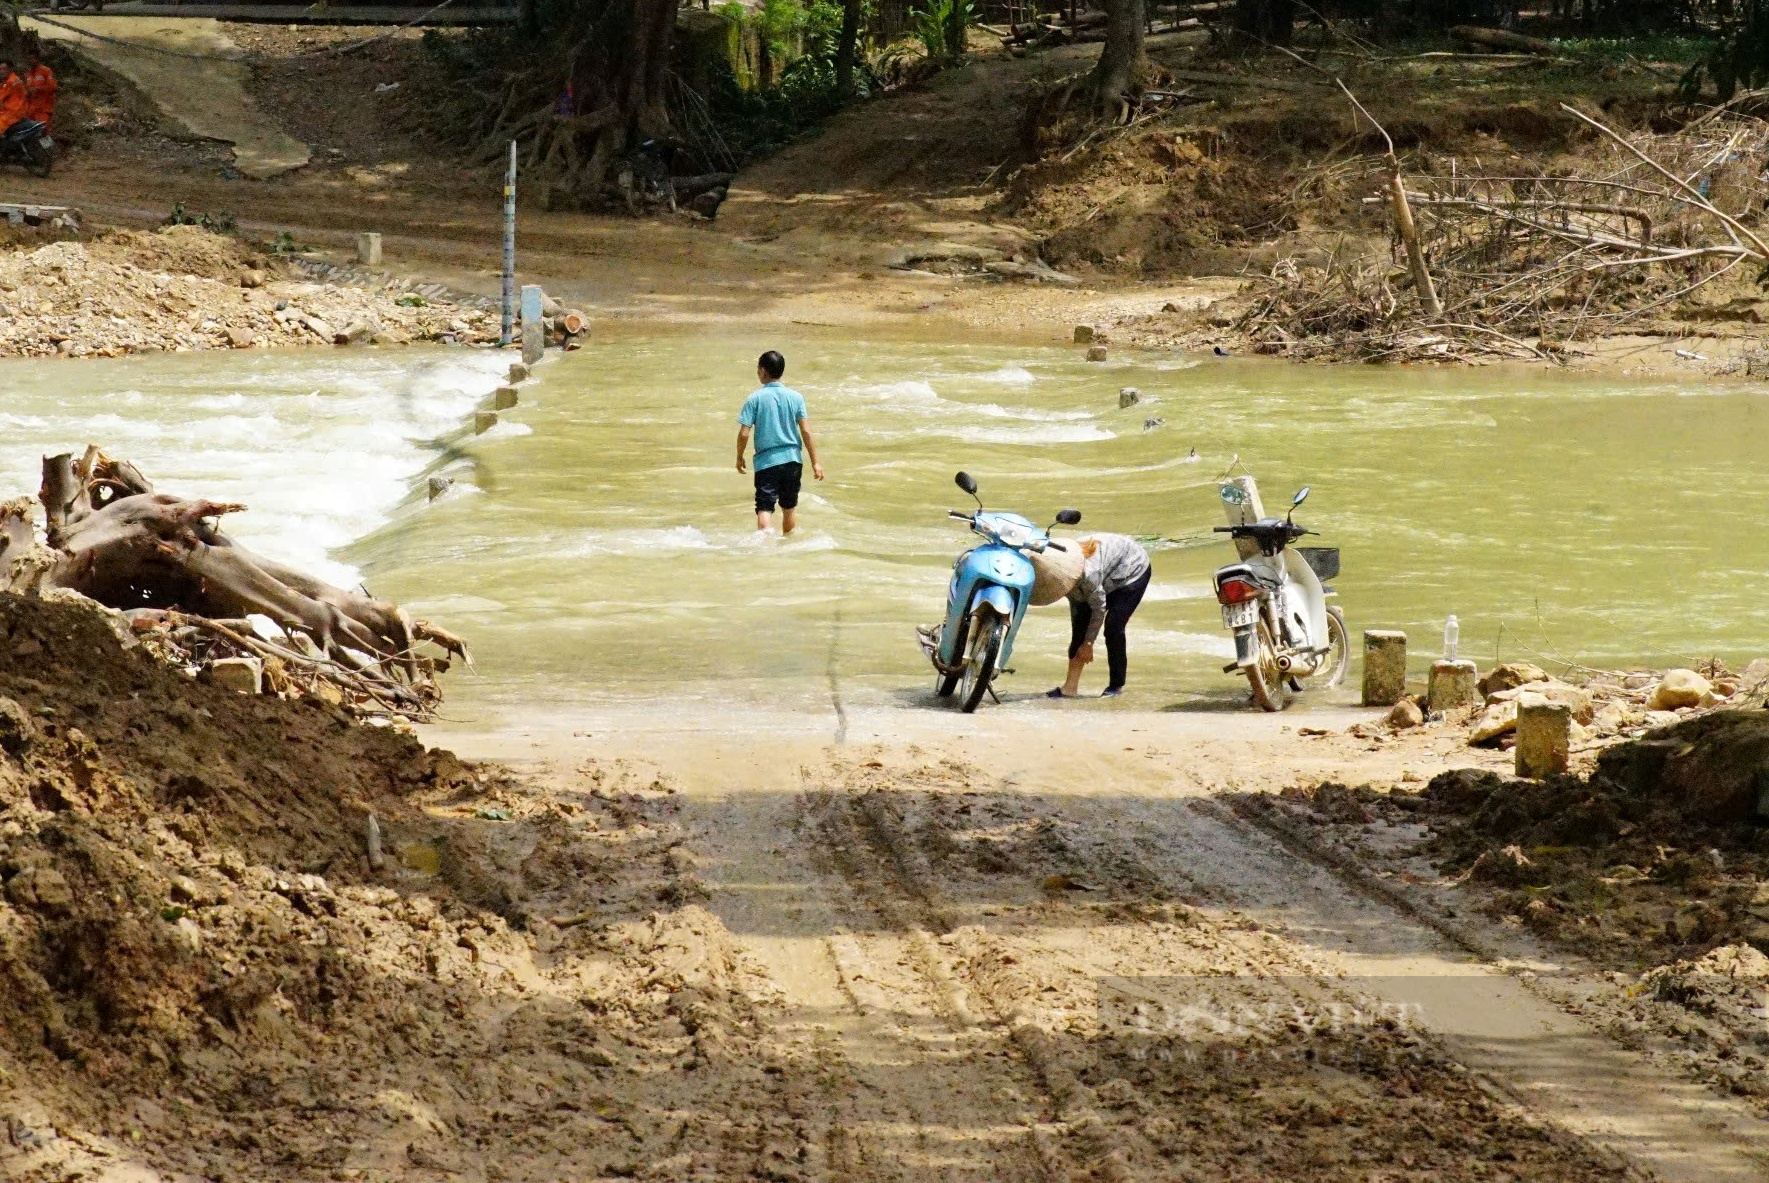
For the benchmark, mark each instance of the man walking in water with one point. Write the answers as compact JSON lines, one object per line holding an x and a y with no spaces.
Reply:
{"x":775,"y":416}
{"x":1111,"y":586}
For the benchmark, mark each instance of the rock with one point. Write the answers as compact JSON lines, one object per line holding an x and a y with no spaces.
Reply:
{"x":1096,"y":353}
{"x":504,"y":398}
{"x":438,"y":485}
{"x":40,"y":887}
{"x":372,"y":843}
{"x":1452,"y":685}
{"x":1084,"y":334}
{"x":1544,"y":737}
{"x":1221,"y":315}
{"x":1574,"y":698}
{"x":1036,"y":272}
{"x":1499,"y":721}
{"x":1687,"y":925}
{"x":189,"y":934}
{"x":1611,"y":719}
{"x":1385,"y":667}
{"x":358,"y":332}
{"x":707,"y":204}
{"x":318,"y":327}
{"x":518,"y":373}
{"x":1128,"y":396}
{"x":241,"y":338}
{"x":243,"y":674}
{"x":1510,"y":676}
{"x":1405,"y":714}
{"x":16,"y":729}
{"x":1679,"y":690}
{"x":252,"y":278}
{"x":327,"y":693}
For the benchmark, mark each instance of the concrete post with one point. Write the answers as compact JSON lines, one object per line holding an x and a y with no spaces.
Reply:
{"x":1544,"y":736}
{"x":518,"y":373}
{"x":368,"y":249}
{"x":1453,"y":684}
{"x":534,"y":335}
{"x":1385,"y":667}
{"x":504,"y":399}
{"x":484,"y":421}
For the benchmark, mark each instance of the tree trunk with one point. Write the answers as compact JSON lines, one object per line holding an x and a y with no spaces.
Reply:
{"x":1118,"y":75}
{"x":847,"y":49}
{"x":957,"y":26}
{"x":1268,"y":21}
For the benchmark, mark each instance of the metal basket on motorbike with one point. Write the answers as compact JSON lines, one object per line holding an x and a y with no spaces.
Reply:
{"x":1058,"y":567}
{"x":1322,"y":560}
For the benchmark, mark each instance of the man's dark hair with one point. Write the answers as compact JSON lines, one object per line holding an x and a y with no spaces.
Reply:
{"x":772,"y":364}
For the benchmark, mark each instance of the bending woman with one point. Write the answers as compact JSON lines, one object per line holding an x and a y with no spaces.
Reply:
{"x":1111,"y":586}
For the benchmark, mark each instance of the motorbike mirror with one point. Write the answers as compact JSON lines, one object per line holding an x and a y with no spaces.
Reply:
{"x":1068,"y":517}
{"x":967,"y":482}
{"x":1301,"y":496}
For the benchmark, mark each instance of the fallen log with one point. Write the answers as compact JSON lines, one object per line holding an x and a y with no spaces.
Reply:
{"x":1503,"y":39}
{"x":164,"y":562}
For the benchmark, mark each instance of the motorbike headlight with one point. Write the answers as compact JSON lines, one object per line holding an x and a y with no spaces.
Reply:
{"x":1012,"y":535}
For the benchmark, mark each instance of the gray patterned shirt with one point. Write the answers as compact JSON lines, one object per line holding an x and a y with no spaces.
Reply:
{"x":1119,"y":561}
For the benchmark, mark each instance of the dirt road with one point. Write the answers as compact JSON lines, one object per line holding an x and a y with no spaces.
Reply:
{"x":1032,"y":948}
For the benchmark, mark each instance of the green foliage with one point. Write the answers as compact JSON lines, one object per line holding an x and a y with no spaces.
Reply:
{"x":1740,"y":58}
{"x":931,"y":20}
{"x":220,"y":223}
{"x":412,"y":300}
{"x":284,"y":244}
{"x":1658,"y":48}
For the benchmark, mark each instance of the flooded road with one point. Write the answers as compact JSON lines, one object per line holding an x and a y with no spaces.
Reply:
{"x":597,"y":545}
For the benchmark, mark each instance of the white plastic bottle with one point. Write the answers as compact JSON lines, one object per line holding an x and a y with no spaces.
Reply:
{"x":1452,"y":634}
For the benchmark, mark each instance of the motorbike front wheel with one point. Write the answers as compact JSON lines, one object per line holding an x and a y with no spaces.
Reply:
{"x":988,"y":638}
{"x":38,"y":159}
{"x":1264,"y":676}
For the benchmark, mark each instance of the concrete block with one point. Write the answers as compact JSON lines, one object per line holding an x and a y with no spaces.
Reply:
{"x":1128,"y":396}
{"x":534,"y":342}
{"x":504,"y":399}
{"x":244,"y":674}
{"x":532,"y":304}
{"x":1544,"y":736}
{"x":1096,"y":353}
{"x":1084,"y":334}
{"x":1385,"y":667}
{"x":1452,"y":684}
{"x":518,"y":373}
{"x":368,"y":249}
{"x":484,"y":421}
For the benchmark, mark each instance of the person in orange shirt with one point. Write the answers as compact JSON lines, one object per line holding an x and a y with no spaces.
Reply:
{"x":12,"y":97}
{"x":40,"y":87}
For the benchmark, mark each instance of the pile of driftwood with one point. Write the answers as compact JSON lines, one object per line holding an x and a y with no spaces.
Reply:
{"x":1500,"y":262}
{"x":195,"y":597}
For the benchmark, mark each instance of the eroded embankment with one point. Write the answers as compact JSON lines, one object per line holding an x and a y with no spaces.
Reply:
{"x":201,"y":970}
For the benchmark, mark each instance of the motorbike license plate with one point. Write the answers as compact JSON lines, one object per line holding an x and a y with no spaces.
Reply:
{"x":1240,"y":615}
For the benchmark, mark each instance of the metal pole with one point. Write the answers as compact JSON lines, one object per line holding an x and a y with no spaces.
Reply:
{"x":509,"y":325}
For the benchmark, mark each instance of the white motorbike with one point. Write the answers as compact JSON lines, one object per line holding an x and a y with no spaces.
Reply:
{"x":1275,"y":603}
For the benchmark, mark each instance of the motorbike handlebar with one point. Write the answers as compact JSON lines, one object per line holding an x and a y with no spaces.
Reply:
{"x":963,"y":517}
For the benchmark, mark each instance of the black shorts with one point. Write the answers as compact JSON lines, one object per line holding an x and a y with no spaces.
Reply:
{"x":779,"y":483}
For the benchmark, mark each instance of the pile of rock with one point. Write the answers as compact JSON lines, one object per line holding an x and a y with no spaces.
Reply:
{"x":184,"y":289}
{"x":1605,"y":706}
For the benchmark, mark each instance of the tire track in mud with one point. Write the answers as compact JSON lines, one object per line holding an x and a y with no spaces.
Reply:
{"x":905,"y":899}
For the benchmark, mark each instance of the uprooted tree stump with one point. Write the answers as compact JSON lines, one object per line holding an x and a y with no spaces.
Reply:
{"x":165,"y":564}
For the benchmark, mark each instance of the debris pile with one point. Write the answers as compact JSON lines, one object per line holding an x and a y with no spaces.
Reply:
{"x":184,"y":288}
{"x":200,"y":601}
{"x":1521,"y":262}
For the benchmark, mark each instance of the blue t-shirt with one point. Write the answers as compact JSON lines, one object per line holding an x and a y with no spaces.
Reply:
{"x":774,"y":411}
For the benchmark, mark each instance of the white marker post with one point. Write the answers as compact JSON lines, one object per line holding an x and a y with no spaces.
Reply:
{"x":509,"y":325}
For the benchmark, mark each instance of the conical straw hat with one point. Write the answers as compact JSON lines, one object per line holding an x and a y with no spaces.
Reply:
{"x":1058,"y":568}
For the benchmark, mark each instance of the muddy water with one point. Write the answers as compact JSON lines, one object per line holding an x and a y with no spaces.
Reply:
{"x":598,"y":545}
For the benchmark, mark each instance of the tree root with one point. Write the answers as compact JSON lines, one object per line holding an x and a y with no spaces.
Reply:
{"x":189,"y":590}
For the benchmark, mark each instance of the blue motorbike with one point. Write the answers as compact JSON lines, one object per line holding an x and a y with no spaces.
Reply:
{"x":990,"y":590}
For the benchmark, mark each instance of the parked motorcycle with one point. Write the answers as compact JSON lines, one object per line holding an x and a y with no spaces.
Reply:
{"x":28,"y":142}
{"x":986,"y":601}
{"x":1275,"y":603}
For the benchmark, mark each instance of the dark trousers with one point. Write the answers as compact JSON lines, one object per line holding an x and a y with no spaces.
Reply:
{"x":1120,"y":605}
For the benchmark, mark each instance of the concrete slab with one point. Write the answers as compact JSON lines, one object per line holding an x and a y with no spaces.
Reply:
{"x":202,"y":95}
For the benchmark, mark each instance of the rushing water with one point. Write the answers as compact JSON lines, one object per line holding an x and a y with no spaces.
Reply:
{"x":598,"y":545}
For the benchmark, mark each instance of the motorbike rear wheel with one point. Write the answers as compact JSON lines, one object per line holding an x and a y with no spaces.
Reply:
{"x":1338,"y":648}
{"x":1264,"y":676}
{"x":988,"y":638}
